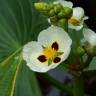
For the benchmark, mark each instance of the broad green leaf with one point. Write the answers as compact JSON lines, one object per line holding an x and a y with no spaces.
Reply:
{"x":8,"y":74}
{"x":26,"y":80}
{"x":19,"y":24}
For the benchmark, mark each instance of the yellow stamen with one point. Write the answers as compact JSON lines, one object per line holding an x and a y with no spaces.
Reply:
{"x":73,"y":21}
{"x":50,"y":53}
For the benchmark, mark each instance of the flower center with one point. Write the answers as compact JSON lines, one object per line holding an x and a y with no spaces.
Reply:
{"x":50,"y":53}
{"x":73,"y":21}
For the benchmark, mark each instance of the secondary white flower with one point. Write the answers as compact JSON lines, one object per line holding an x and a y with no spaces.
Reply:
{"x":77,"y":19}
{"x":89,"y":37}
{"x":53,"y":47}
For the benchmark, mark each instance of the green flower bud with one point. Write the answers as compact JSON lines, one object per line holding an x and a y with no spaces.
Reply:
{"x":63,"y":23}
{"x":65,"y":13}
{"x":52,"y":13}
{"x":41,"y":6}
{"x":58,"y":8}
{"x":68,"y":12}
{"x":54,"y":20}
{"x":61,"y":14}
{"x":51,"y":6}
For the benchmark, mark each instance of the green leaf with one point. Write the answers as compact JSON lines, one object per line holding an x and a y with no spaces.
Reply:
{"x":8,"y":75}
{"x":19,"y":24}
{"x":26,"y":84}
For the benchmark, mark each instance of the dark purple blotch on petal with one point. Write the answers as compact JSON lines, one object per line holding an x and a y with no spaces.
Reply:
{"x":55,"y":46}
{"x":56,"y":59}
{"x":42,"y":58}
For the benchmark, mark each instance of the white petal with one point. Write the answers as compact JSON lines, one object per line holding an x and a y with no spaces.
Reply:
{"x":55,"y":34}
{"x":29,"y":49}
{"x":77,"y":28}
{"x":64,"y":3}
{"x":89,"y":36}
{"x":31,"y":52}
{"x":78,"y":13}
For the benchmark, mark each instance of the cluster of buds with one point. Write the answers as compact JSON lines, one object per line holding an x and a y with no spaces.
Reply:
{"x":57,"y":13}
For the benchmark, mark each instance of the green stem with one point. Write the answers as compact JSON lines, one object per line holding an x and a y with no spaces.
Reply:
{"x":56,"y":83}
{"x":78,"y":89}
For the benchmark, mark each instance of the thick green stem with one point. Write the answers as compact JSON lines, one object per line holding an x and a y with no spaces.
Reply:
{"x":56,"y":83}
{"x":78,"y":89}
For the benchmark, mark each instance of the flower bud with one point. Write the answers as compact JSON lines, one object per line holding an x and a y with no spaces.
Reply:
{"x":68,"y":12}
{"x":63,"y":23}
{"x":51,"y":13}
{"x":41,"y":6}
{"x":58,"y":8}
{"x":61,"y":14}
{"x":65,"y":13}
{"x":54,"y":20}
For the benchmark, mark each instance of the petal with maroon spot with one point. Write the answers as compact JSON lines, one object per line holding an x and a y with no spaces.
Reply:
{"x":55,"y":46}
{"x":42,"y":58}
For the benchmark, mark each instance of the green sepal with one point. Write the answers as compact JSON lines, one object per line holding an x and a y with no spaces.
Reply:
{"x":49,"y":62}
{"x":59,"y":53}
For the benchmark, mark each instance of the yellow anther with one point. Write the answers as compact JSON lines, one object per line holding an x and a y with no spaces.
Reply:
{"x":50,"y":53}
{"x":73,"y":21}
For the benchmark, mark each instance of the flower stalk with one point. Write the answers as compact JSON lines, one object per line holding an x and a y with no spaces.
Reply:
{"x":56,"y":83}
{"x":78,"y":88}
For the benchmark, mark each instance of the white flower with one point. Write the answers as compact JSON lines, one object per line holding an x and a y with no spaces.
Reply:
{"x":53,"y":47}
{"x":64,"y":3}
{"x":89,"y":37}
{"x":77,"y":19}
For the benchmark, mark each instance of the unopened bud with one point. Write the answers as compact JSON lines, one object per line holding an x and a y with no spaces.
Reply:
{"x":68,"y":12}
{"x":65,"y":13}
{"x":54,"y":20}
{"x":41,"y":6}
{"x":52,"y":13}
{"x":63,"y":23}
{"x":58,"y":8}
{"x":61,"y":14}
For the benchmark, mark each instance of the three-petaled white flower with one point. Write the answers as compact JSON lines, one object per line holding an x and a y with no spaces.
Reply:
{"x":78,"y":17}
{"x":89,"y":37}
{"x":53,"y":47}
